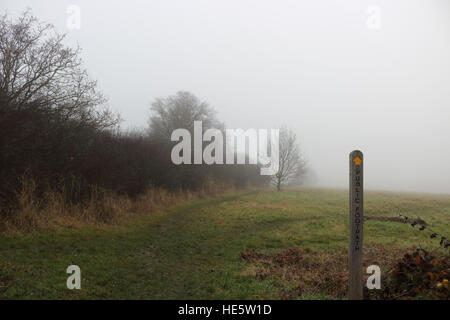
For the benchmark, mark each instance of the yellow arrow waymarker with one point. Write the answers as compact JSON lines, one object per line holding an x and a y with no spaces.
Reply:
{"x":357,"y":161}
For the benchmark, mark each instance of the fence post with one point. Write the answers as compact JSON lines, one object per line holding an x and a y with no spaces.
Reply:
{"x":356,"y":226}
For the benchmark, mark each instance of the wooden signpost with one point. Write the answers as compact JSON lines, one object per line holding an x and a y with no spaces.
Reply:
{"x":356,"y":226}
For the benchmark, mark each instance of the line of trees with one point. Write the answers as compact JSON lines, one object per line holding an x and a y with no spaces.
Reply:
{"x":56,"y":128}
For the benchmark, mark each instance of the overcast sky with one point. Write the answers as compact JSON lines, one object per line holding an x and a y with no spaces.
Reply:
{"x":349,"y":74}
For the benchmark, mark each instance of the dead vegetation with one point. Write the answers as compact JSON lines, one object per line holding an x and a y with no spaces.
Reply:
{"x":297,"y":271}
{"x":53,"y":210}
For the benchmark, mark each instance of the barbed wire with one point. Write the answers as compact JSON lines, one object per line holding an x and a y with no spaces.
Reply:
{"x":443,"y":243}
{"x":443,"y":240}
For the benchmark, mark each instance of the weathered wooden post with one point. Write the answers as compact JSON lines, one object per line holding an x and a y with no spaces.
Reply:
{"x":356,"y":226}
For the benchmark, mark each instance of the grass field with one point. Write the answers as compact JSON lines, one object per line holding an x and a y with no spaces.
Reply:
{"x":247,"y":245}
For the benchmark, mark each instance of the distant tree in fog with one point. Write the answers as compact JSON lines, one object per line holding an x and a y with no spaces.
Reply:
{"x":292,"y":165}
{"x":179,"y":111}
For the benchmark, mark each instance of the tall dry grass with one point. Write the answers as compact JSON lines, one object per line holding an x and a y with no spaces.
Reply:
{"x":52,"y":210}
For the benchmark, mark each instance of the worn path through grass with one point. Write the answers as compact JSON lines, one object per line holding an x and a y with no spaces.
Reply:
{"x":194,"y":250}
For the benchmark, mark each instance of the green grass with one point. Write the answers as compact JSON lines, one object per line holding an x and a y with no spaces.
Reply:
{"x":193,"y":251}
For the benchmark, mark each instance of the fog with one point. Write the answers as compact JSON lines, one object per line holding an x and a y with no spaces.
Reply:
{"x":340,"y":75}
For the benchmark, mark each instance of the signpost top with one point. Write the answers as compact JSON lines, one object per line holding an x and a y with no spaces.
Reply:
{"x":356,"y":153}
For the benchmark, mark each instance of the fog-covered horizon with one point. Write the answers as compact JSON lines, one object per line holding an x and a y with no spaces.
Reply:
{"x":344,"y":75}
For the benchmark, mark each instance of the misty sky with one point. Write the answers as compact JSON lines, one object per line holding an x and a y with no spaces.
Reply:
{"x":315,"y":66}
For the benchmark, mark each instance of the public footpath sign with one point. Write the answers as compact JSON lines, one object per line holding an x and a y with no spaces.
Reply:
{"x":356,"y":226}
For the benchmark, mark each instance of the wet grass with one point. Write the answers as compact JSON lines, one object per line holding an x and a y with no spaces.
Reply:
{"x":194,"y":250}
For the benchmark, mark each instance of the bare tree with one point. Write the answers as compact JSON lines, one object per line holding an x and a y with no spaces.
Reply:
{"x":35,"y":66}
{"x":292,"y":164}
{"x":179,"y":111}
